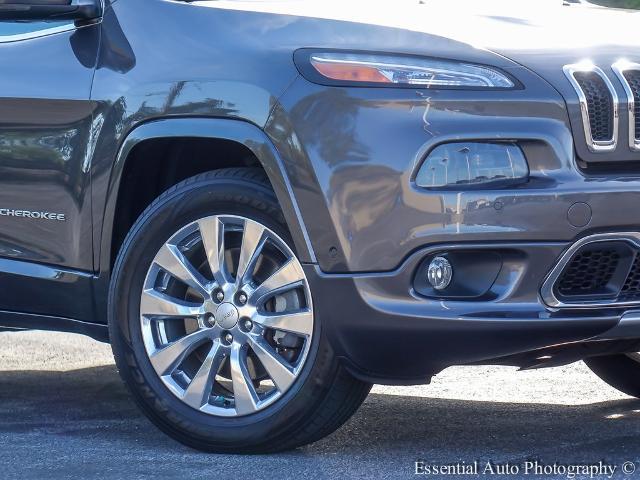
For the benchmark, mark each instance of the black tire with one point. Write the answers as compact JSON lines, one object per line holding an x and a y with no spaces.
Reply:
{"x":622,"y":372}
{"x":323,"y":397}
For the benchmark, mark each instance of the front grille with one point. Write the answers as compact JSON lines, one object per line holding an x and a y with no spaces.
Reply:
{"x":588,"y":273}
{"x":633,"y":79}
{"x":600,"y":105}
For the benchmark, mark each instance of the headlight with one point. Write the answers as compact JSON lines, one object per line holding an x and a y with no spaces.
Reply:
{"x":400,"y":71}
{"x":473,"y":164}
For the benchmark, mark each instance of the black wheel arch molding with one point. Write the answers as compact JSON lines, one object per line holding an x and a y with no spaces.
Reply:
{"x":242,"y":132}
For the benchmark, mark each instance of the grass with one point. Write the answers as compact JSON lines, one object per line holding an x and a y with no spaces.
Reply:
{"x":619,"y":3}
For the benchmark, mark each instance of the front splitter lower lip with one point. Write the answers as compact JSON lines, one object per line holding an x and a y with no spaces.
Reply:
{"x":385,"y":335}
{"x":627,"y":328}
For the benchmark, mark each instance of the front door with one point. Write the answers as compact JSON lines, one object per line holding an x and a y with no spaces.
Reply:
{"x":46,"y":120}
{"x":45,"y":125}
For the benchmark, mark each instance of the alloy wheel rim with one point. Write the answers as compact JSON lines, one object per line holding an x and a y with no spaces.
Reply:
{"x":226,"y":315}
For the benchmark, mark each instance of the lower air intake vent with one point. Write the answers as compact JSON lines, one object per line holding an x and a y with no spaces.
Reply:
{"x":601,"y":272}
{"x":589,"y":273}
{"x":631,"y":288}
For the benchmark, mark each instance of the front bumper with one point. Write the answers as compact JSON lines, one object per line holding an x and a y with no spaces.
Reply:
{"x":387,"y":333}
{"x":352,"y":155}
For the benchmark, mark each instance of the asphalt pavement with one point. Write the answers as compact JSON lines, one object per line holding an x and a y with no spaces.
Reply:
{"x":64,"y":413}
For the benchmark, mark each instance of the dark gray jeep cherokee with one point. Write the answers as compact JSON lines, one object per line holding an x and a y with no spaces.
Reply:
{"x":266,"y":207}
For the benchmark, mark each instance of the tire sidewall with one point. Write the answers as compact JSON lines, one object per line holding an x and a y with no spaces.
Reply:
{"x":153,"y":229}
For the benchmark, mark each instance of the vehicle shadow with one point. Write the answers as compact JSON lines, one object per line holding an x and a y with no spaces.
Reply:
{"x":53,"y":423}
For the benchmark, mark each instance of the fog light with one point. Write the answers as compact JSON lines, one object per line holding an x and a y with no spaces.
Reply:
{"x":473,"y":164}
{"x":440,"y":273}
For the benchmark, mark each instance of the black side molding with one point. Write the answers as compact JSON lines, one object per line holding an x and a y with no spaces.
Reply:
{"x":29,"y":321}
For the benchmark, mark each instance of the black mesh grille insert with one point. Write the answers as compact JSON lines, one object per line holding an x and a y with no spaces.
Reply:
{"x":588,"y":273}
{"x":605,"y":272}
{"x":631,"y":289}
{"x":599,"y":103}
{"x":633,"y":78}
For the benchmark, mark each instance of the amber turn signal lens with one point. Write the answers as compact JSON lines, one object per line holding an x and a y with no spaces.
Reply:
{"x":389,"y":70}
{"x":350,"y":72}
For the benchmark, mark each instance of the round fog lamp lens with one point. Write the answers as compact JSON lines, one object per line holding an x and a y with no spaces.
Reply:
{"x":440,"y":273}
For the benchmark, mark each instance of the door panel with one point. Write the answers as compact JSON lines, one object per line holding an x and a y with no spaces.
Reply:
{"x":45,"y":123}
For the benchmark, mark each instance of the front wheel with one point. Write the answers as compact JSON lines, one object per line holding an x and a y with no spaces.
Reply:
{"x":212,"y":322}
{"x":622,"y":372}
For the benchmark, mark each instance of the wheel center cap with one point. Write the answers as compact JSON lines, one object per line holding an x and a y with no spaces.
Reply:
{"x":227,"y":315}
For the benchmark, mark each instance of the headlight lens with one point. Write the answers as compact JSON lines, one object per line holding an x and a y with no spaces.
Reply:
{"x":392,"y":70}
{"x":472,"y":164}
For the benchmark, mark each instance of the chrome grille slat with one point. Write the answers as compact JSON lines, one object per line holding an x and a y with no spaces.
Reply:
{"x":629,"y":75}
{"x":599,"y":105}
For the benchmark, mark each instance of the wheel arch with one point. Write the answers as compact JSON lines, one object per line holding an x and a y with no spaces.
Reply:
{"x":239,"y":132}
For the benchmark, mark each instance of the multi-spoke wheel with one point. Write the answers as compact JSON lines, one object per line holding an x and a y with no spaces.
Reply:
{"x":212,"y":322}
{"x":226,"y":314}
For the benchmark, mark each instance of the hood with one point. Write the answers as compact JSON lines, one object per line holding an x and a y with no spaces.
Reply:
{"x":541,"y":35}
{"x":498,"y":25}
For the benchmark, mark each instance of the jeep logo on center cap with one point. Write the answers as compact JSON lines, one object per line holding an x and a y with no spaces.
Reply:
{"x":227,"y":316}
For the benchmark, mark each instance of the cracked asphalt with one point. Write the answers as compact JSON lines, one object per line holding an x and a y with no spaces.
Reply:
{"x":65,"y":414}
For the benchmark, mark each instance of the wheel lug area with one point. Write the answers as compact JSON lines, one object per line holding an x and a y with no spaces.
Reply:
{"x":219,"y":296}
{"x":246,"y":325}
{"x":227,"y":338}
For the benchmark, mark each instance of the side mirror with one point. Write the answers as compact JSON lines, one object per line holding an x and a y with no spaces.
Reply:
{"x":52,"y":10}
